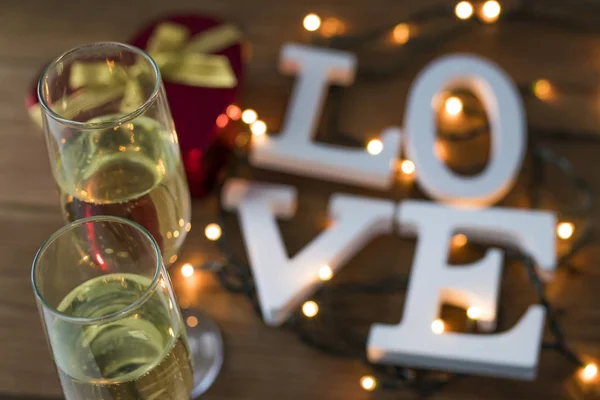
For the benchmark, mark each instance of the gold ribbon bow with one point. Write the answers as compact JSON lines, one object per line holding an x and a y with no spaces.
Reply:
{"x":188,"y":60}
{"x":180,"y":58}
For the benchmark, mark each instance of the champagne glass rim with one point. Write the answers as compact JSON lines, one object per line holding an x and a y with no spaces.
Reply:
{"x":117,"y":314}
{"x":99,"y":124}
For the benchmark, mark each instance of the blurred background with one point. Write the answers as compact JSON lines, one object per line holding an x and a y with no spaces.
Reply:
{"x":551,"y":49}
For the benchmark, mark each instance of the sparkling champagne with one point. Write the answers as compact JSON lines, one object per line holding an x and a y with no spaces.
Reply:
{"x":142,"y":356}
{"x":132,"y":171}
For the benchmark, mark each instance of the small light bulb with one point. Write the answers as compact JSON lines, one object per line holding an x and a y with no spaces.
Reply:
{"x":249,"y":116}
{"x":565,"y":230}
{"x":311,"y":22}
{"x":234,"y":112}
{"x":589,"y":372}
{"x":310,"y":309}
{"x":212,"y":231}
{"x":401,"y":33}
{"x":368,"y":383}
{"x":542,"y":89}
{"x":453,"y":105}
{"x":463,"y":10}
{"x":438,"y":327}
{"x":187,"y":270}
{"x":258,"y":128}
{"x":407,"y":167}
{"x":375,"y":146}
{"x":459,"y":240}
{"x":332,"y":27}
{"x":191,"y":321}
{"x":222,"y":121}
{"x":325,"y":273}
{"x":491,"y":11}
{"x":474,"y":312}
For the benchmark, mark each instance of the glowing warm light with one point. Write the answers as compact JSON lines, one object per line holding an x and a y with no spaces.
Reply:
{"x":212,"y":231}
{"x":191,"y":321}
{"x":440,"y":151}
{"x":463,"y":10}
{"x":222,"y":121}
{"x":332,"y":27}
{"x":234,"y":112}
{"x":565,"y":230}
{"x":368,"y":383}
{"x":311,"y":22}
{"x":542,"y":89}
{"x":589,"y":372}
{"x":459,"y":240}
{"x":490,"y":11}
{"x":325,"y":273}
{"x":187,"y":270}
{"x":474,"y":312}
{"x":453,"y":105}
{"x":249,"y":116}
{"x":438,"y":327}
{"x":375,"y":146}
{"x":99,"y":259}
{"x":258,"y":128}
{"x":173,"y":259}
{"x":407,"y":167}
{"x":401,"y":33}
{"x":310,"y":309}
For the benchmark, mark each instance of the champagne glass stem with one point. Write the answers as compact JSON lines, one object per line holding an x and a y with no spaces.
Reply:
{"x":206,"y":346}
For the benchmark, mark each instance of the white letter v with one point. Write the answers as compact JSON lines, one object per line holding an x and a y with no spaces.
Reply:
{"x":282,"y":283}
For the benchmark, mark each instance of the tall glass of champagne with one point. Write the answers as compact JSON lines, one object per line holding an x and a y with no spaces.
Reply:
{"x":112,"y":142}
{"x":111,"y":317}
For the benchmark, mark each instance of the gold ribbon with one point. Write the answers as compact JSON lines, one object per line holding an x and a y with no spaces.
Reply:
{"x":186,"y":60}
{"x":180,"y":58}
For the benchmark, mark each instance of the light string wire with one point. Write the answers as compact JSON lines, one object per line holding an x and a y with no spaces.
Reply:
{"x":342,"y":339}
{"x":235,"y":275}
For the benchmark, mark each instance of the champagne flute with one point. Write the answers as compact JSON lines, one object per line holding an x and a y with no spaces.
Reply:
{"x":114,"y":151}
{"x":111,"y":317}
{"x":112,"y":142}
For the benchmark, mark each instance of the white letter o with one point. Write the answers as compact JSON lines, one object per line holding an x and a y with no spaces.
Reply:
{"x":504,"y":109}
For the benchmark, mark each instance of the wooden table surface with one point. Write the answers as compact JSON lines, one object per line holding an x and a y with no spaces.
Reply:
{"x":265,"y":363}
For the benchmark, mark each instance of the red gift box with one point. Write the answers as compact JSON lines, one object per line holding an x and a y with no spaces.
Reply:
{"x":200,"y":112}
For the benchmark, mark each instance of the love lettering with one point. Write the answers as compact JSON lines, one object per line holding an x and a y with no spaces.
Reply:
{"x":283,"y":284}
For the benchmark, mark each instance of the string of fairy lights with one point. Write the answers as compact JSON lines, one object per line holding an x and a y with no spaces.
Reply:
{"x":235,"y":275}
